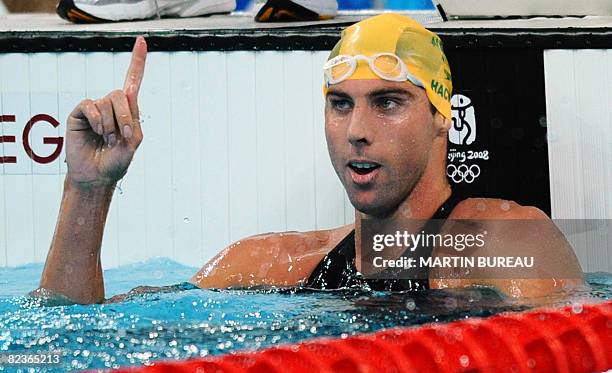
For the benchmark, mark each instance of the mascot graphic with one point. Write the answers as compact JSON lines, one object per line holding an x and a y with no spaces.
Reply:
{"x":463,"y":130}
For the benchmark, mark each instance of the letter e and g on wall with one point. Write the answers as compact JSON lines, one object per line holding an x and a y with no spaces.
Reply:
{"x":11,"y":126}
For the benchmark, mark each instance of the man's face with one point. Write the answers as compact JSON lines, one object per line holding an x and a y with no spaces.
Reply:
{"x":379,"y":136}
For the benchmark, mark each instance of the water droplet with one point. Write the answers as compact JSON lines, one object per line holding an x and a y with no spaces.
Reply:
{"x":542,"y":121}
{"x":481,"y":206}
{"x":531,"y":363}
{"x":410,"y":304}
{"x":464,"y":360}
{"x":505,"y":206}
{"x":407,"y":212}
{"x":80,"y":220}
{"x":496,"y":123}
{"x":119,"y":186}
{"x":577,"y":307}
{"x":186,"y":220}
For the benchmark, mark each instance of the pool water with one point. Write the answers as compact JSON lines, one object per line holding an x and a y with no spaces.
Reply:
{"x":191,"y":323}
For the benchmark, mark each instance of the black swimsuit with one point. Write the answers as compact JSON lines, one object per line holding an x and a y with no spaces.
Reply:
{"x":337,"y":269}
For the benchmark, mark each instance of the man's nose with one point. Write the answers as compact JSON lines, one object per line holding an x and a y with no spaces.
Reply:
{"x":359,"y":129}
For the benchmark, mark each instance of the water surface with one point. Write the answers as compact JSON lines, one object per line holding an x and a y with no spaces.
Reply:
{"x":182,"y":324}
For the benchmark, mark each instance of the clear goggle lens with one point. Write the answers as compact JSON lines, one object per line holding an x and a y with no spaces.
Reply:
{"x":387,"y":66}
{"x":340,"y":70}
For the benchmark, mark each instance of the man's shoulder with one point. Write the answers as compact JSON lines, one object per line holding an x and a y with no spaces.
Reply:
{"x":272,"y":259}
{"x":495,"y":208}
{"x":511,"y":233}
{"x":297,"y":242}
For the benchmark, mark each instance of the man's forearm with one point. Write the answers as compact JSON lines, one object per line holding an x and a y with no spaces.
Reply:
{"x":73,"y":266}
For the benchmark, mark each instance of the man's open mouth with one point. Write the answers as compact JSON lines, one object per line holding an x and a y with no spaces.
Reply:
{"x":363,"y":167}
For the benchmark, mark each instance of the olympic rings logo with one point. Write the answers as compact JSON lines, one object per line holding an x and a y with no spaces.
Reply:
{"x":463,"y":173}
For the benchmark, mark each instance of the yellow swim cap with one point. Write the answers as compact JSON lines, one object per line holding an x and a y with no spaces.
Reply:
{"x":419,"y":48}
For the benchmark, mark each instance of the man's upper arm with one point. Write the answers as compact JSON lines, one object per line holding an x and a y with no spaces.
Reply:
{"x":272,"y":259}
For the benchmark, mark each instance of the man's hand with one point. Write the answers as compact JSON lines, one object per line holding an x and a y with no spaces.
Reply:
{"x":103,"y":135}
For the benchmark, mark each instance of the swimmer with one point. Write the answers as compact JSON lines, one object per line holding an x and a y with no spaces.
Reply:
{"x":387,"y":116}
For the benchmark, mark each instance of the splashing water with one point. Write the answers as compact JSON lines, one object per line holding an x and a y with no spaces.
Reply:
{"x":190,"y":323}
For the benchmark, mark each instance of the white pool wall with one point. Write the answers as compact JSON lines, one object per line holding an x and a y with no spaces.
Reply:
{"x":234,"y":146}
{"x":579,"y":112}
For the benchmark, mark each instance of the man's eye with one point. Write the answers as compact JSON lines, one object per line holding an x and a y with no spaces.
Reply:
{"x":341,"y":104}
{"x":387,"y":104}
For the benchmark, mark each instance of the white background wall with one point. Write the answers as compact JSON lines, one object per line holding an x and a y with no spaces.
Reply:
{"x":234,"y":146}
{"x":579,"y":112}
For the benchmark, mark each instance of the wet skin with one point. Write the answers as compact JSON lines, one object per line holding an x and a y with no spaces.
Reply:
{"x":387,"y":123}
{"x":386,"y":126}
{"x":101,"y":138}
{"x":391,"y":126}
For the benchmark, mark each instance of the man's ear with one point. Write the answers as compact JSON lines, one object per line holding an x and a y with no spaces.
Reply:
{"x":441,"y":124}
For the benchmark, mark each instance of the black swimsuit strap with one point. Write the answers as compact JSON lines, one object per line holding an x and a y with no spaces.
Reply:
{"x":337,"y":269}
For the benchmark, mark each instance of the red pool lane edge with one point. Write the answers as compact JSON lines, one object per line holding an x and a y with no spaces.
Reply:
{"x":572,"y":339}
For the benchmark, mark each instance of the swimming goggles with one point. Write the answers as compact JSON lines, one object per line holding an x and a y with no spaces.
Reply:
{"x":387,"y":66}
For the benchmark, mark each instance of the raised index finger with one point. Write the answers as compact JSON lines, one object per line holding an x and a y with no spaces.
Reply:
{"x":136,"y":70}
